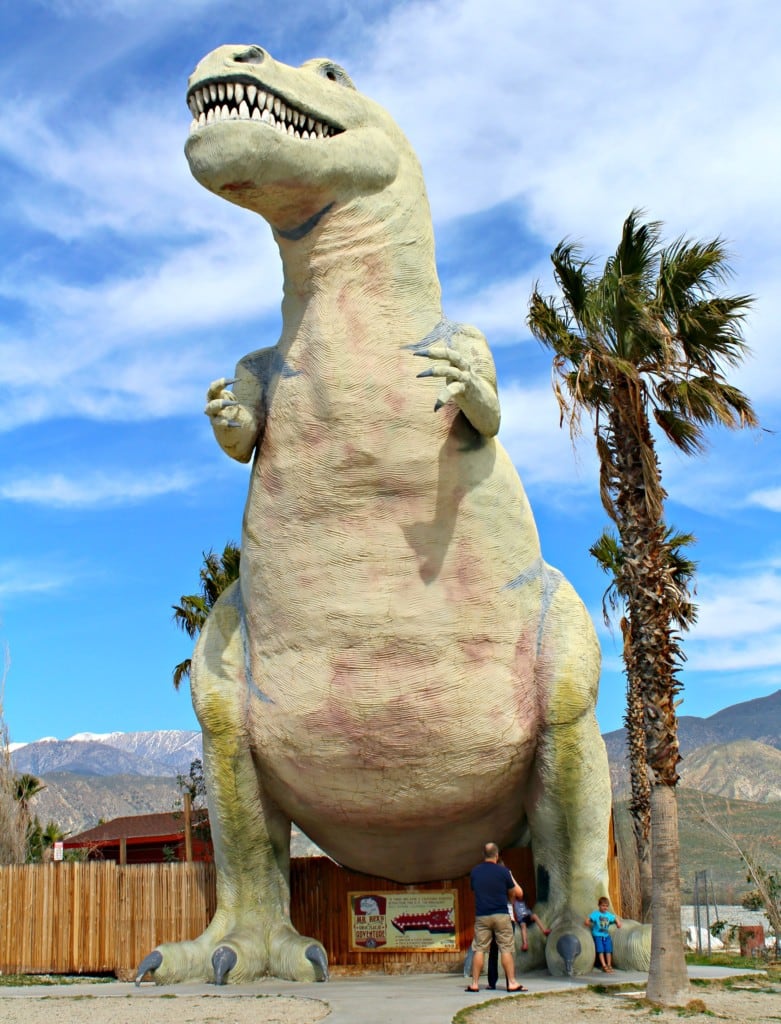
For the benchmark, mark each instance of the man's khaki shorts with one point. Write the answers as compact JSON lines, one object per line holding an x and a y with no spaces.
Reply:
{"x":499,"y":925}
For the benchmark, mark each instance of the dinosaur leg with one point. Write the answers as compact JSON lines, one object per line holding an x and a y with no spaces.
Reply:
{"x":570,"y":805}
{"x":251,"y":934}
{"x":570,"y":799}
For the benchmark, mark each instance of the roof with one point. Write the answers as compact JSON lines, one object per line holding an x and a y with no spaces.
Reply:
{"x":136,"y":827}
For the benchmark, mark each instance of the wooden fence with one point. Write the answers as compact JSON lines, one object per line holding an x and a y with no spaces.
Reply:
{"x":98,"y":917}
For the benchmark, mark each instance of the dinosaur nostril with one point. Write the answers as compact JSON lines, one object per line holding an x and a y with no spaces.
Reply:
{"x":251,"y":55}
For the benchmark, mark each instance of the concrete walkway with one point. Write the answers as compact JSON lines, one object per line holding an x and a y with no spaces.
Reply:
{"x":379,"y":998}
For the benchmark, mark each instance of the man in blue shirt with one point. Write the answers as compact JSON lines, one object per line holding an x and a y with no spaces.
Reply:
{"x":494,"y":887}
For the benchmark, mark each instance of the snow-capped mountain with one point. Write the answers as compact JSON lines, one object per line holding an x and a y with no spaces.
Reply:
{"x":165,"y":752}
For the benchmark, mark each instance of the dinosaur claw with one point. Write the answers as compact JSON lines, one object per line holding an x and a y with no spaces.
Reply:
{"x":150,"y":963}
{"x":438,"y":405}
{"x":425,"y":373}
{"x":568,"y":947}
{"x":223,"y":960}
{"x":319,"y":960}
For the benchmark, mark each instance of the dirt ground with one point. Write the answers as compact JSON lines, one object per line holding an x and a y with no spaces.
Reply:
{"x":742,"y":1001}
{"x":163,"y":1010}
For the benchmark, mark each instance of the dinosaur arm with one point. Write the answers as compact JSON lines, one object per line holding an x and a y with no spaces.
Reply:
{"x":237,"y":415}
{"x":467,"y":366}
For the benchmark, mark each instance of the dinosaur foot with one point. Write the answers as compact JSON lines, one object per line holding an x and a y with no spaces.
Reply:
{"x":569,"y":949}
{"x":242,"y":955}
{"x":632,"y":946}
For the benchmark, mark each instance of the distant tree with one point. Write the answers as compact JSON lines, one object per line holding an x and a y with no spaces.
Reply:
{"x":217,"y":574}
{"x":766,"y":895}
{"x":26,"y":787}
{"x":194,"y":785}
{"x":643,"y":343}
{"x":13,"y":823}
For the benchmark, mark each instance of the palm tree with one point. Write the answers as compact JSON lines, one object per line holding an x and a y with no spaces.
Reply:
{"x":645,"y":341}
{"x":609,"y":555}
{"x":217,"y":574}
{"x":26,"y":786}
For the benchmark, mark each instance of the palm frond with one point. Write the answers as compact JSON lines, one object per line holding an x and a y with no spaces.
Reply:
{"x":685,"y":434}
{"x":181,"y":672}
{"x":608,"y":554}
{"x":571,"y":275}
{"x":217,"y":573}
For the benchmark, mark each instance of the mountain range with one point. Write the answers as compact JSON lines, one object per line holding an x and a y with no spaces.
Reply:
{"x":162,"y":753}
{"x":734,"y":754}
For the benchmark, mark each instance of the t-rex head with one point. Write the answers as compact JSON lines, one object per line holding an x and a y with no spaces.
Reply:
{"x":289,"y":143}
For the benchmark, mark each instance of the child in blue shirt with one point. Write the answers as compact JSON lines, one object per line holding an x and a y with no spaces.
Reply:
{"x":599,"y":921}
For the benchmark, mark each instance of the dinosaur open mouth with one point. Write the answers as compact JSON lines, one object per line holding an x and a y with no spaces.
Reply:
{"x":242,"y":101}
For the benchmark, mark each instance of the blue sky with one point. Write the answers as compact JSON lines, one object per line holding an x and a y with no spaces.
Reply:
{"x":125,"y":289}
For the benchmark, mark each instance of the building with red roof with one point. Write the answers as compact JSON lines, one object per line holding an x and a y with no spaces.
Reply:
{"x":146,"y":839}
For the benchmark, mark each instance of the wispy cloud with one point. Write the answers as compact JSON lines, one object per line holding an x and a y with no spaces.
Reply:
{"x":543,"y":451}
{"x":17,"y":578}
{"x":769,"y":498}
{"x":739,"y":606}
{"x":96,"y":490}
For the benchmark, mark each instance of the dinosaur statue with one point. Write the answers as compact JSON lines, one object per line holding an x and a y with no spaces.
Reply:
{"x":397,"y":670}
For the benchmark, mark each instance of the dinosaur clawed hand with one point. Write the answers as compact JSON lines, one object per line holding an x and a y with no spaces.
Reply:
{"x":466,"y":369}
{"x":222,"y":406}
{"x":453,"y":366}
{"x":235,"y":424}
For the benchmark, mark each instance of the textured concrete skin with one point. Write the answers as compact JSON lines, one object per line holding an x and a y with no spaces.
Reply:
{"x":398,"y":670}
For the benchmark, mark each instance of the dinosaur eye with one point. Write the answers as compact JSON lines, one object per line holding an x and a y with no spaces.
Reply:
{"x":335,"y":74}
{"x":252,"y":55}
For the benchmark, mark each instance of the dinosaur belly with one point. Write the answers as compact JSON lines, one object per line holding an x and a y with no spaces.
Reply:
{"x":392,"y":649}
{"x":394,"y":769}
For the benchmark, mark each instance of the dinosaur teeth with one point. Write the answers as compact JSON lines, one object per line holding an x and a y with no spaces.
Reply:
{"x":238,"y":101}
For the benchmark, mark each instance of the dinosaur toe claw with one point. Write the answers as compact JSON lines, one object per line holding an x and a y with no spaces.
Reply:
{"x":223,"y":960}
{"x":150,"y":963}
{"x":568,"y":947}
{"x":319,"y":960}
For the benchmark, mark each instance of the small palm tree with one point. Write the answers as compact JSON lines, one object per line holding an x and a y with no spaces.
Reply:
{"x":26,"y":786}
{"x":644,"y":343}
{"x":217,"y":574}
{"x":609,"y":555}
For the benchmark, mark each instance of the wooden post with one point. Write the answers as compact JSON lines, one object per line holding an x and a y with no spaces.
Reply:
{"x":123,"y":850}
{"x":188,"y":828}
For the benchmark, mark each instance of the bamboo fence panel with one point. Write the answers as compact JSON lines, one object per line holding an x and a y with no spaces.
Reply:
{"x":99,"y":917}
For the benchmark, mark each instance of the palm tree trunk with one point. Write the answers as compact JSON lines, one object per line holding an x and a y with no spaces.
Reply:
{"x":652,"y":663}
{"x":668,"y":981}
{"x":640,"y":784}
